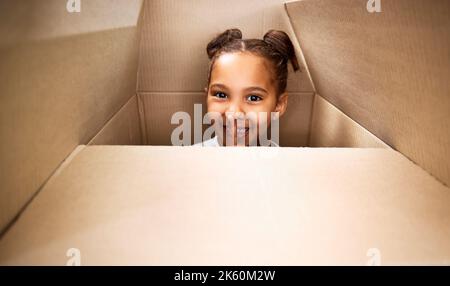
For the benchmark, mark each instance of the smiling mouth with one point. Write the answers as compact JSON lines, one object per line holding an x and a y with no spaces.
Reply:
{"x":240,"y":132}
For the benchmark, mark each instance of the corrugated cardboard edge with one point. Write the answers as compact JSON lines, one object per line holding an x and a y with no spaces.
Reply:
{"x":52,"y":177}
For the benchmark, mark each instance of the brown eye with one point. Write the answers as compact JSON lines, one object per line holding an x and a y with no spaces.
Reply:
{"x":254,"y":98}
{"x":220,"y":95}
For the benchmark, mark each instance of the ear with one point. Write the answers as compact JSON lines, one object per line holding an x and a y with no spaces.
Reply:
{"x":206,"y":91}
{"x":282,"y":103}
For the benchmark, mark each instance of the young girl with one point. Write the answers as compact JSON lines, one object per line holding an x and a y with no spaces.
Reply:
{"x":247,"y":77}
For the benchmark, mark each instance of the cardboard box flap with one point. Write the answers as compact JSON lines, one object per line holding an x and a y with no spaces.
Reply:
{"x":62,"y":77}
{"x":332,"y":128}
{"x":34,"y":20}
{"x":388,"y":71}
{"x":134,"y":205}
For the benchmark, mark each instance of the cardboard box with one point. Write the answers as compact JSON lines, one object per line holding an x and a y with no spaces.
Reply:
{"x":374,"y":84}
{"x":164,"y":205}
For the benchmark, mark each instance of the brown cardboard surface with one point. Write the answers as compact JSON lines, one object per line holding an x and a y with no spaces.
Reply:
{"x":176,"y":206}
{"x":57,"y":90}
{"x":296,"y":121}
{"x":332,"y":128}
{"x":33,"y":20}
{"x":158,"y":109}
{"x":175,"y":34}
{"x":387,"y":71}
{"x":123,"y":128}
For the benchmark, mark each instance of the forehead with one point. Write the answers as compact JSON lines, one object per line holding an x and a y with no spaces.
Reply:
{"x":242,"y":69}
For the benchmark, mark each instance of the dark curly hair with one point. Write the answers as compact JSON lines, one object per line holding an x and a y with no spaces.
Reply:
{"x":275,"y":47}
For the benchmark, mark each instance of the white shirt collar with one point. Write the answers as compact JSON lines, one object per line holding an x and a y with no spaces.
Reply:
{"x":214,"y":142}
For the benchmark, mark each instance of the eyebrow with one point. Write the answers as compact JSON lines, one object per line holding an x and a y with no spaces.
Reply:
{"x":219,"y":85}
{"x":256,"y":88}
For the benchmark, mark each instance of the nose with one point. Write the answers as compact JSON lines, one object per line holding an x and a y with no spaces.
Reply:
{"x":234,"y":111}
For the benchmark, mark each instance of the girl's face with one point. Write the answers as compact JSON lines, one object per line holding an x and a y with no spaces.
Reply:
{"x":242,"y":83}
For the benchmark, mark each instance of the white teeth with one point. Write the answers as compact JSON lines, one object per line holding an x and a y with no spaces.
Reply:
{"x":241,"y":131}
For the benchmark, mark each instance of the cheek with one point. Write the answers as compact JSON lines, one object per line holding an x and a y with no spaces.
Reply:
{"x":268,"y":104}
{"x":264,"y":109}
{"x":212,"y":106}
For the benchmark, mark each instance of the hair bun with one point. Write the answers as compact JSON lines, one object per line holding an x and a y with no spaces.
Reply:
{"x":281,"y":42}
{"x":221,"y":40}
